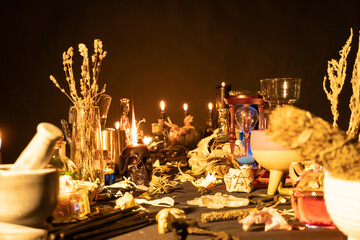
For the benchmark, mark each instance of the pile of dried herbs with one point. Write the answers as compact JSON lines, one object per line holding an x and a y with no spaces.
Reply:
{"x":315,"y":139}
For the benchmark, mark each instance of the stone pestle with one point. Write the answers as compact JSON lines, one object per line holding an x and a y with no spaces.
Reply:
{"x":38,"y":152}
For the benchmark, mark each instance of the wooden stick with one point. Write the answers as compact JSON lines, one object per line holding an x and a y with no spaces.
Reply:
{"x":122,"y":226}
{"x":93,"y":222}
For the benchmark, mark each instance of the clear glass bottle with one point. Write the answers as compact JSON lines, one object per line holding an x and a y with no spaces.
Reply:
{"x":60,"y":160}
{"x":86,"y":145}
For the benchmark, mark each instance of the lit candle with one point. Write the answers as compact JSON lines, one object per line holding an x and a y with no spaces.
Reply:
{"x":120,"y":140}
{"x":134,"y":159}
{"x":221,"y":93}
{"x":162,"y":107}
{"x":185,"y":109}
{"x":210,"y":111}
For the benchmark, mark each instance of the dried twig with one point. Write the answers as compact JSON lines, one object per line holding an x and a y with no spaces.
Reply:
{"x":336,"y":76}
{"x":89,"y":90}
{"x":355,"y":98}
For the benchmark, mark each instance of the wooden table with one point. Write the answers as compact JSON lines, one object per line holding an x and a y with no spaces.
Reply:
{"x":187,"y":192}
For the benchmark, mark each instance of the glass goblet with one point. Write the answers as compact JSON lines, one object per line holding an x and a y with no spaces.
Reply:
{"x":280,"y":91}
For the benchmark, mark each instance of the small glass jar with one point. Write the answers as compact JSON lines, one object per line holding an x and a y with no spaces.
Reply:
{"x":72,"y":206}
{"x":308,"y":202}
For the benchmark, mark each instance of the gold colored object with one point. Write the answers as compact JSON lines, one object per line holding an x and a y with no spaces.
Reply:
{"x":163,"y":215}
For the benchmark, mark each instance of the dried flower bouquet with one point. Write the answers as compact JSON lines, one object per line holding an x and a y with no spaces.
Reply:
{"x":89,"y":94}
{"x":86,"y":136}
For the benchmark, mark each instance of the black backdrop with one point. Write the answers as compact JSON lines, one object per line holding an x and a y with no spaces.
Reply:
{"x":178,"y":51}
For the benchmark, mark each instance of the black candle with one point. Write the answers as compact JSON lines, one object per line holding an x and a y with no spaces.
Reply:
{"x":222,"y":92}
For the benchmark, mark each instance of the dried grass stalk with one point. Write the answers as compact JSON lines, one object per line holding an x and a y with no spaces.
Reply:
{"x":336,"y":75}
{"x":89,"y":90}
{"x":355,"y":98}
{"x":315,"y":139}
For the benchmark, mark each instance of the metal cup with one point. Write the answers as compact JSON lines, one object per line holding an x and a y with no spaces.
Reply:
{"x":110,"y":154}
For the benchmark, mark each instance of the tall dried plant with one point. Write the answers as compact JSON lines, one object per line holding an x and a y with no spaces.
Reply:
{"x":86,"y":124}
{"x":89,"y":89}
{"x":336,"y":76}
{"x":354,"y":123}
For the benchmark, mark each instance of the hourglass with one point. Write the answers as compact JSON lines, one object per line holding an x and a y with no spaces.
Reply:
{"x":245,"y":99}
{"x":246,"y":118}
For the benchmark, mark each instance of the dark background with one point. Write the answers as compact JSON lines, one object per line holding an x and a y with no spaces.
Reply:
{"x":178,"y":51}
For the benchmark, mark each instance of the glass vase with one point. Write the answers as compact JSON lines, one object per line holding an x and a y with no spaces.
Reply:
{"x":86,"y":150}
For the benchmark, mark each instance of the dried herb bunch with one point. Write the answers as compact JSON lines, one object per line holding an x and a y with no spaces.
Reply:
{"x":89,"y":89}
{"x":336,"y":77}
{"x":86,"y":124}
{"x":355,"y":98}
{"x":315,"y":139}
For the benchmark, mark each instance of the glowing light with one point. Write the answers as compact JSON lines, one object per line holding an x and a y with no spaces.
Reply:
{"x":162,"y":106}
{"x":147,"y":140}
{"x":223,"y":84}
{"x":133,"y":129}
{"x":185,"y":107}
{"x":117,"y":125}
{"x":210,"y":106}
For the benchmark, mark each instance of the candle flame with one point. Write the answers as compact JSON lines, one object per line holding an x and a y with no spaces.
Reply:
{"x":185,"y":107}
{"x":162,"y":105}
{"x":210,"y":106}
{"x":223,"y":84}
{"x":117,"y":125}
{"x":133,"y":129}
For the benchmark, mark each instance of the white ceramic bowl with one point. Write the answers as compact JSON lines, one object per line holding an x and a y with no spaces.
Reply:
{"x":273,"y":157}
{"x":342,"y":200}
{"x":28,"y":197}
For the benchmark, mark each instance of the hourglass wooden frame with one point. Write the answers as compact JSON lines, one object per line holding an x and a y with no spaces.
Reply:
{"x":233,"y":101}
